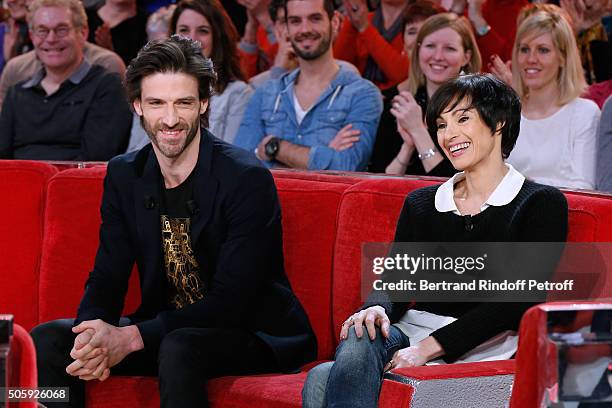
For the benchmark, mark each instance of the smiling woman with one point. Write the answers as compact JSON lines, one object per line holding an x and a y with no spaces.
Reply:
{"x":445,"y":47}
{"x":475,"y":119}
{"x":557,"y":144}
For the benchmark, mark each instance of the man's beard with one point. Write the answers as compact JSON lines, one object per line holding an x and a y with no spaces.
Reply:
{"x":171,"y":151}
{"x":316,"y":52}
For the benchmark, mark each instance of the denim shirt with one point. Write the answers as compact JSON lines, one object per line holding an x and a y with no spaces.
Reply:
{"x":348,"y":99}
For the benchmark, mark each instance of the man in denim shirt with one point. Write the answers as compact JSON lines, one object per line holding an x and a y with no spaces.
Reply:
{"x":320,"y":116}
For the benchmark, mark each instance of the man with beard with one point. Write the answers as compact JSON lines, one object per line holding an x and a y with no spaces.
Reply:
{"x":320,"y":116}
{"x":201,"y":219}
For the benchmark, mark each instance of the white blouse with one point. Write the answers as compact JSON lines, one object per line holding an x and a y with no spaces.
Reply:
{"x":559,"y":150}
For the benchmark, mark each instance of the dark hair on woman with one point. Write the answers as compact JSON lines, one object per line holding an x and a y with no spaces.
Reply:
{"x":173,"y":55}
{"x":497,"y":104}
{"x":225,"y":37}
{"x":273,"y":8}
{"x":420,"y":10}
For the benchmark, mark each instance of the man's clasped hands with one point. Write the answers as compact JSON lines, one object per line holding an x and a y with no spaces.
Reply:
{"x":99,"y":346}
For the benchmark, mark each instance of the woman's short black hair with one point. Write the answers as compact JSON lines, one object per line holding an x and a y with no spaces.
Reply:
{"x":497,"y":103}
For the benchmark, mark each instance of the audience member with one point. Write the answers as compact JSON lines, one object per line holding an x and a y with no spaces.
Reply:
{"x":208,"y":23}
{"x":413,"y":18}
{"x":285,"y":59}
{"x":445,"y":47}
{"x":284,"y":56}
{"x":373,"y":41}
{"x":558,"y":128}
{"x":26,"y":65}
{"x":494,"y":22}
{"x":586,"y":17}
{"x":14,"y":38}
{"x":259,"y":44}
{"x":604,"y":148}
{"x":320,"y":116}
{"x":118,"y":25}
{"x":70,"y":109}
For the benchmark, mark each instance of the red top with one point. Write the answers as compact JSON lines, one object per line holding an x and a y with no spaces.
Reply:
{"x":356,"y":47}
{"x":501,"y":15}
{"x":250,"y":63}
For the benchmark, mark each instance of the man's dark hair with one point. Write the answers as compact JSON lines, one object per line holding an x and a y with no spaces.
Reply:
{"x":497,"y":104}
{"x":173,"y":55}
{"x":273,"y":8}
{"x":420,"y":10}
{"x":328,"y":5}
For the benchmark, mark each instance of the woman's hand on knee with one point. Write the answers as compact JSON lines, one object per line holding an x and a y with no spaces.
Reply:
{"x":371,"y":317}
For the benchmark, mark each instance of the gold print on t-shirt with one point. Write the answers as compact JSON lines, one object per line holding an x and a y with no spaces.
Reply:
{"x":181,"y":266}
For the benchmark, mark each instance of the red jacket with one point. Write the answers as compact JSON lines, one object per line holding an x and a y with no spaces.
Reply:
{"x":501,"y":15}
{"x":356,"y":47}
{"x":252,"y":63}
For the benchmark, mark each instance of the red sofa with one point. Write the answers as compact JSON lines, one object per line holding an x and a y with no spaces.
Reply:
{"x":50,"y":233}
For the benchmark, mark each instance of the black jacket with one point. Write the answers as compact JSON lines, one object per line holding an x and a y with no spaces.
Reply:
{"x":237,"y":240}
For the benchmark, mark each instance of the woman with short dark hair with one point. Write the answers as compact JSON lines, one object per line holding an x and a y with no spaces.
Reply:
{"x":475,"y":119}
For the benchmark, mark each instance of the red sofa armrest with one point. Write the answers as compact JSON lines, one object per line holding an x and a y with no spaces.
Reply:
{"x":22,"y":364}
{"x":486,"y":384}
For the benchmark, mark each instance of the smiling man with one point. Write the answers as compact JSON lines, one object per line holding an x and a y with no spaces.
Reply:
{"x":69,"y":110}
{"x":321,"y":116}
{"x":201,"y":220}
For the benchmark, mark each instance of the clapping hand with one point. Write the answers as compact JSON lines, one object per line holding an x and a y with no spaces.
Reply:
{"x":407,"y":111}
{"x":357,"y":12}
{"x":501,"y":70}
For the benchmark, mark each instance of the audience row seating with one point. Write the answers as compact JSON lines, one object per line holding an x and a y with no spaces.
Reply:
{"x":49,"y":236}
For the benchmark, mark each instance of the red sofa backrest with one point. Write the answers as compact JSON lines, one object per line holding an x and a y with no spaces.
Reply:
{"x":72,"y":222}
{"x":309,"y":210}
{"x":22,"y":203}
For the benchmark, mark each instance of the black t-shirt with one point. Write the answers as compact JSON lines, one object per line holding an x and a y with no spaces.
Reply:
{"x":182,"y":269}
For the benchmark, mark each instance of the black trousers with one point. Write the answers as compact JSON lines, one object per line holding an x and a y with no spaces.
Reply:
{"x":184,"y":360}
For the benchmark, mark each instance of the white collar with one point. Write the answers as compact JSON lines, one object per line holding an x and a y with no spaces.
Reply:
{"x":504,"y":193}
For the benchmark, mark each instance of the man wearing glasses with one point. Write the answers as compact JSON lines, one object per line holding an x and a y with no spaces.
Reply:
{"x":69,"y":110}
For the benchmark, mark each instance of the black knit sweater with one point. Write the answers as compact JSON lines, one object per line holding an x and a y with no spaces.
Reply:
{"x":537,"y":214}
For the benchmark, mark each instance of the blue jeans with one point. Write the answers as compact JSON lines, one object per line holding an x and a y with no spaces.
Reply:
{"x":353,"y":380}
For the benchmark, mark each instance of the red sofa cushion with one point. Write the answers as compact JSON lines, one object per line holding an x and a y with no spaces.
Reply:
{"x":256,"y":391}
{"x":23,"y":185}
{"x":72,"y":222}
